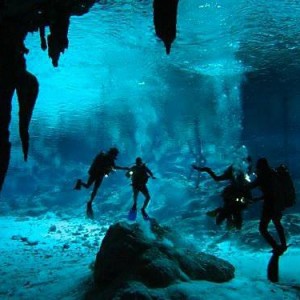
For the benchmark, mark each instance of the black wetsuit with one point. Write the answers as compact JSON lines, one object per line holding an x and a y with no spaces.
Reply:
{"x":102,"y":165}
{"x":269,"y":211}
{"x":139,"y":179}
{"x":235,"y":196}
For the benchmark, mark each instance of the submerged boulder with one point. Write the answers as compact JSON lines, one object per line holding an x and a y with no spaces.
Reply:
{"x":136,"y":262}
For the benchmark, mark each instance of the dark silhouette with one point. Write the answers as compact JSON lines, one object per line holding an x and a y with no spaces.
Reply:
{"x":14,"y":77}
{"x":27,"y":91}
{"x":271,"y":211}
{"x":42,"y":37}
{"x":235,"y":196}
{"x":139,"y":174}
{"x":165,"y":19}
{"x":15,"y":22}
{"x":102,"y":165}
{"x":58,"y":37}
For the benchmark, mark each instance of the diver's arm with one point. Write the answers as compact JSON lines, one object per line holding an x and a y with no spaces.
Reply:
{"x":150,"y":173}
{"x":114,"y":167}
{"x":121,"y":168}
{"x":214,"y":176}
{"x":254,"y":184}
{"x":211,"y":173}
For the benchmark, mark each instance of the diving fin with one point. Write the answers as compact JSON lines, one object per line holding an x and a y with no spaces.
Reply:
{"x":89,"y":210}
{"x":132,"y":214}
{"x":145,"y":215}
{"x":77,"y":185}
{"x":212,"y":213}
{"x":273,"y":268}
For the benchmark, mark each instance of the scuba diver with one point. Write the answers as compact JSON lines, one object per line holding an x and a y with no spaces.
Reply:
{"x":102,"y":165}
{"x":236,"y":195}
{"x":139,"y":174}
{"x":270,"y":211}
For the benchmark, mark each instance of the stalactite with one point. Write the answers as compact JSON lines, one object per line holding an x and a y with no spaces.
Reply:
{"x":165,"y":19}
{"x":58,"y":37}
{"x":16,"y":20}
{"x":12,"y":68}
{"x":27,"y":91}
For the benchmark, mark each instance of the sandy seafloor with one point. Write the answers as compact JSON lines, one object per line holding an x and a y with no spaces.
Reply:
{"x":50,"y":256}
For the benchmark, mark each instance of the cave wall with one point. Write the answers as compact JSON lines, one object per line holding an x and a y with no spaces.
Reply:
{"x":271,"y":113}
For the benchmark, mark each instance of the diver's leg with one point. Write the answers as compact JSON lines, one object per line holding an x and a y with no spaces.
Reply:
{"x":237,"y":219}
{"x":214,"y":212}
{"x":263,"y":229}
{"x":145,"y":192}
{"x":89,"y":209}
{"x":135,"y":196}
{"x":280,"y":230}
{"x":90,"y":181}
{"x":80,"y":183}
{"x":230,"y":219}
{"x":221,"y":216}
{"x":97,"y":184}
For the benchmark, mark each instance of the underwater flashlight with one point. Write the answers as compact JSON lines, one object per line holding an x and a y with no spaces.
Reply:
{"x":130,"y":173}
{"x":106,"y":175}
{"x":242,"y":200}
{"x":247,"y":177}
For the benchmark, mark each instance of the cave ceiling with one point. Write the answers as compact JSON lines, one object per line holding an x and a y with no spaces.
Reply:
{"x":17,"y":19}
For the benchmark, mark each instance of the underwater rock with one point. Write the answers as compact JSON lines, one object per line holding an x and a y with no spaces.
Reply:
{"x":165,"y":19}
{"x":65,"y":246}
{"x":52,"y":228}
{"x":136,"y":261}
{"x":31,"y":242}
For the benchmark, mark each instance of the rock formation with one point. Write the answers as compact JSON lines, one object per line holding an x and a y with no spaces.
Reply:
{"x":17,"y":18}
{"x":165,"y":20}
{"x":141,"y":264}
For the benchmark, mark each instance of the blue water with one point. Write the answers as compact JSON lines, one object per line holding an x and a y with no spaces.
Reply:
{"x":230,"y":80}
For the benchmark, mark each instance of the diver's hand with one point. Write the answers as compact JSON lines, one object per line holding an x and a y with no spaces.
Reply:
{"x":204,"y":169}
{"x":121,"y":168}
{"x":195,"y":167}
{"x":201,"y":169}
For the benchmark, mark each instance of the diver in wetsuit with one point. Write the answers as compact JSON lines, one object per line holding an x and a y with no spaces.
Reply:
{"x":102,"y":165}
{"x":270,"y":211}
{"x":235,"y":196}
{"x":139,"y":174}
